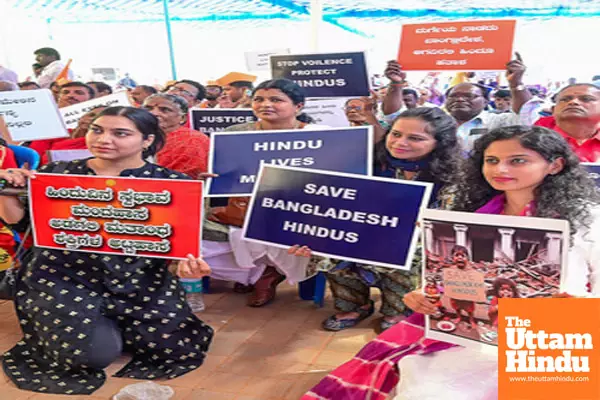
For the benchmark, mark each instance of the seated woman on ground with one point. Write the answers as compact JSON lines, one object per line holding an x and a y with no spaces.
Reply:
{"x":79,"y":311}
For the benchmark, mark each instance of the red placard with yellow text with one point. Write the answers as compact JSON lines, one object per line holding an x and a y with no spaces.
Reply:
{"x":159,"y":218}
{"x":457,"y":46}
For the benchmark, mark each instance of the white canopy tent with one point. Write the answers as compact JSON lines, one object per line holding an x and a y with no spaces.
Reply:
{"x":209,"y":37}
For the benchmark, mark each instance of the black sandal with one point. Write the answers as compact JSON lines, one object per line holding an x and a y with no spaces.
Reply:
{"x":335,"y":325}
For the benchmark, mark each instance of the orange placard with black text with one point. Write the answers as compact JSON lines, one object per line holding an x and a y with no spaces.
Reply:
{"x":159,"y":218}
{"x":457,"y":46}
{"x":549,"y":349}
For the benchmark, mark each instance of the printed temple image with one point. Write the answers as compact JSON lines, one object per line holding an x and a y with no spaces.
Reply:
{"x":468,"y":267}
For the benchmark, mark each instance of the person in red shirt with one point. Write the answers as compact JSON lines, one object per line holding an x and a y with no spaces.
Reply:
{"x":186,"y":150}
{"x":576,"y":116}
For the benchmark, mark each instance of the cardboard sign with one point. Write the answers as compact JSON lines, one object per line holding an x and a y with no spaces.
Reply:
{"x":457,"y":46}
{"x":335,"y":214}
{"x":31,"y":115}
{"x":71,"y":114}
{"x":236,"y":156}
{"x":259,"y":60}
{"x":328,"y":112}
{"x":472,"y":261}
{"x":594,"y":170}
{"x":69,"y":155}
{"x":464,"y":285}
{"x":158,"y":218}
{"x":210,"y":120}
{"x":325,"y":75}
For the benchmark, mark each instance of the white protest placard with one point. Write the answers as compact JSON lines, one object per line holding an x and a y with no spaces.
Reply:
{"x":259,"y":60}
{"x":71,"y":114}
{"x":473,"y":259}
{"x":328,"y":112}
{"x":31,"y":115}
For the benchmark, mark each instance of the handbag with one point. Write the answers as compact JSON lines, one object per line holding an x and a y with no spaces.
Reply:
{"x":8,"y":284}
{"x":232,"y":214}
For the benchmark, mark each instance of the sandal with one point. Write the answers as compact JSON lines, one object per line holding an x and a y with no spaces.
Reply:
{"x":334,"y":324}
{"x":265,"y":288}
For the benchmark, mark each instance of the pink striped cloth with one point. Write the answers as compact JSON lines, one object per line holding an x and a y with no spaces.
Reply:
{"x":372,"y":373}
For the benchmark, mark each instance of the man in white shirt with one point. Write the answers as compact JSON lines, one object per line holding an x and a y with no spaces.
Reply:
{"x":50,"y":61}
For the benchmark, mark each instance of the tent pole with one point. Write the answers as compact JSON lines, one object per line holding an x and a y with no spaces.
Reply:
{"x":316,"y":19}
{"x":170,"y":39}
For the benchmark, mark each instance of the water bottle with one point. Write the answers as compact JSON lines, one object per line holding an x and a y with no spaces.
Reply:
{"x":193,"y":290}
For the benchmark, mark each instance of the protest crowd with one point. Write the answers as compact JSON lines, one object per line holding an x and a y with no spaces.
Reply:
{"x":477,"y":144}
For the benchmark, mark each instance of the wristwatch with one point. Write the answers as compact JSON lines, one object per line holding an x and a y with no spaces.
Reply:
{"x":519,"y":88}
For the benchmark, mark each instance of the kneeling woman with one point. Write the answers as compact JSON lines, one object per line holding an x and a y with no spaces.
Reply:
{"x":516,"y":171}
{"x":79,"y":311}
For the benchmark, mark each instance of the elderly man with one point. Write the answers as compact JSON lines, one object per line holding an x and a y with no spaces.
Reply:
{"x":576,"y":116}
{"x":52,"y":66}
{"x":467,"y":103}
{"x":192,"y":91}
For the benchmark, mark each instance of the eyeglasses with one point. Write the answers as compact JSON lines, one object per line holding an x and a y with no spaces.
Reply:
{"x":466,"y":96}
{"x":180,"y":90}
{"x":352,"y":108}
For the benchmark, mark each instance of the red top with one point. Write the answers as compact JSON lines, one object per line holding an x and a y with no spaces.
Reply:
{"x":42,"y":146}
{"x":588,"y":151}
{"x":186,"y":151}
{"x":7,"y":158}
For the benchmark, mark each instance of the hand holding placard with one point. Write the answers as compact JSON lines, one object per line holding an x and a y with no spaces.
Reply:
{"x":394,"y":72}
{"x":515,"y":69}
{"x":192,"y":268}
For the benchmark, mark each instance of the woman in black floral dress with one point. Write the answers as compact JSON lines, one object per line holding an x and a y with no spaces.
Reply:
{"x":79,"y":311}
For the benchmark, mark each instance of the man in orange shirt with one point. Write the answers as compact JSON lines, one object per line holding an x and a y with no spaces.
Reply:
{"x":576,"y":116}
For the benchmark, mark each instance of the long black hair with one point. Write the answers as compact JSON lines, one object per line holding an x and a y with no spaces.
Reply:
{"x":144,"y":121}
{"x":291,"y":90}
{"x":567,"y":194}
{"x":445,"y":157}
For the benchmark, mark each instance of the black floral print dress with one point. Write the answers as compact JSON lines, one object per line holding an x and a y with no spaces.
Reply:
{"x":62,"y":294}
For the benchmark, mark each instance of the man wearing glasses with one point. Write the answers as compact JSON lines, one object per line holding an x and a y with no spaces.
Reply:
{"x":192,"y":91}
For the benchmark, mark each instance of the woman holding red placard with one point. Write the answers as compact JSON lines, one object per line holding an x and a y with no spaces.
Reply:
{"x":79,"y":311}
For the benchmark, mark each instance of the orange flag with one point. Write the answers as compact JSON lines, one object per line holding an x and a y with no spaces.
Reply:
{"x":63,"y":77}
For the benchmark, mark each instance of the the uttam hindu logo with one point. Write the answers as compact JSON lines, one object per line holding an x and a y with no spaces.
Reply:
{"x":548,"y":349}
{"x":523,"y":342}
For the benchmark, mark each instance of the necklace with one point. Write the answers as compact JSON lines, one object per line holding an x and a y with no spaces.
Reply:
{"x":297,"y":125}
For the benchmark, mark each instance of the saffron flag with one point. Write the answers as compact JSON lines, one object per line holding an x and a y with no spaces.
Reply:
{"x":63,"y":77}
